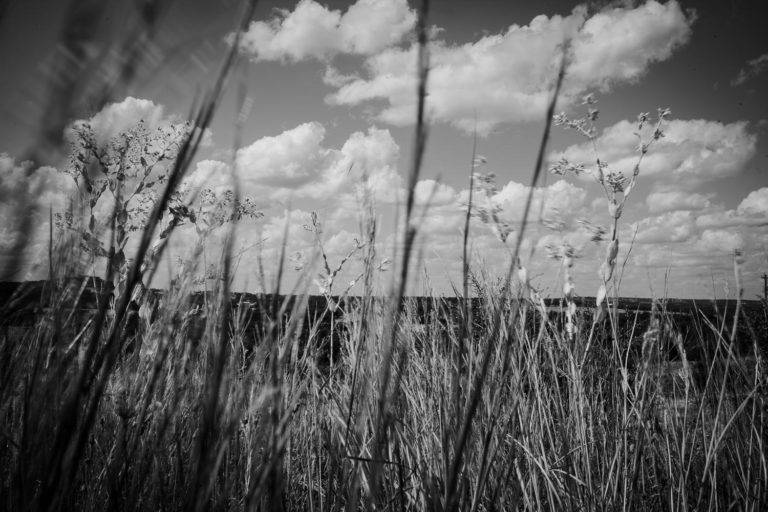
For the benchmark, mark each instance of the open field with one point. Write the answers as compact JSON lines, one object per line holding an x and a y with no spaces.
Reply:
{"x":241,"y":414}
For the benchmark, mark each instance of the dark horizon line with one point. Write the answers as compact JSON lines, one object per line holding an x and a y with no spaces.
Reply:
{"x":549,"y":300}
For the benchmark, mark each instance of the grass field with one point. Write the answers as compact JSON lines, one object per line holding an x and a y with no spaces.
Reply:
{"x":525,"y":417}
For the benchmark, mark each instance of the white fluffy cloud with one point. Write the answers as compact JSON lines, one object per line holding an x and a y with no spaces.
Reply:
{"x":756,"y":203}
{"x":562,"y":197}
{"x":26,"y":191}
{"x":618,"y":44}
{"x":433,"y":193}
{"x":677,"y":226}
{"x":692,"y":152}
{"x":704,"y":253}
{"x":51,"y":187}
{"x":312,"y":30}
{"x":751,"y":212}
{"x":731,"y":227}
{"x":699,"y":246}
{"x":508,"y":77}
{"x":295,"y":164}
{"x":115,"y":118}
{"x":118,"y":117}
{"x":660,"y":202}
{"x":719,"y":241}
{"x":291,"y":159}
{"x":728,"y":219}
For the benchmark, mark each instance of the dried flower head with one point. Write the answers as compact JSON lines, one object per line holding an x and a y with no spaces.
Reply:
{"x":642,"y":118}
{"x":564,"y":167}
{"x":616,"y":181}
{"x":298,"y":260}
{"x":479,"y":161}
{"x":597,"y":232}
{"x":564,"y":251}
{"x":554,"y":221}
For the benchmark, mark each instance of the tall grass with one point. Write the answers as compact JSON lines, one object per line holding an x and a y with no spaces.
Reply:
{"x":496,"y":407}
{"x":190,"y":421}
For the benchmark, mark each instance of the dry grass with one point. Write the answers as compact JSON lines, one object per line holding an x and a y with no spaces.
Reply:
{"x":216,"y":424}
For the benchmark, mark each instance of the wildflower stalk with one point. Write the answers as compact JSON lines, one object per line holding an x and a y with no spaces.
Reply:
{"x":614,"y":185}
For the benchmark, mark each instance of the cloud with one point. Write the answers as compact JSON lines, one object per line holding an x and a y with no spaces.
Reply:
{"x":660,"y":202}
{"x":560,"y":200}
{"x":690,"y":153}
{"x":619,"y":44}
{"x":561,"y":197}
{"x":729,"y":219}
{"x":52,"y":188}
{"x":702,"y":253}
{"x":295,"y":164}
{"x":719,"y":241}
{"x":683,"y":225}
{"x":312,"y":31}
{"x":28,"y":191}
{"x":753,"y":68}
{"x":508,"y":77}
{"x":677,"y":226}
{"x":430,"y":192}
{"x":700,"y":246}
{"x":756,"y":203}
{"x":116,"y":118}
{"x":289,"y":160}
{"x":212,"y":174}
{"x":751,"y":212}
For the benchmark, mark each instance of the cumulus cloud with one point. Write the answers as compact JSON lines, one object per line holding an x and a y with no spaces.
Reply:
{"x":753,"y":68}
{"x":703,"y":252}
{"x":115,"y":118}
{"x":707,"y":229}
{"x":619,"y":44}
{"x":728,"y":219}
{"x":690,"y":153}
{"x":24,"y":191}
{"x":751,"y":212}
{"x":119,"y":117}
{"x":433,"y":193}
{"x":561,"y":201}
{"x":660,"y":202}
{"x":719,"y":241}
{"x":289,"y":160}
{"x":700,"y":245}
{"x":312,"y":31}
{"x":508,"y":77}
{"x":27,"y":190}
{"x":756,"y":203}
{"x":677,"y":226}
{"x":51,"y":187}
{"x":212,"y":174}
{"x":296,"y":164}
{"x":561,"y":197}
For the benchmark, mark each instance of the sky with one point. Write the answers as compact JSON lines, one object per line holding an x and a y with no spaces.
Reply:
{"x":328,"y":121}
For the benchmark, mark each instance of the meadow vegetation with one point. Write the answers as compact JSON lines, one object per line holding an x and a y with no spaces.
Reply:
{"x":500,"y":404}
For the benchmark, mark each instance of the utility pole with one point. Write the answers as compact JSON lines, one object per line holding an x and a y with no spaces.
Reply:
{"x":765,"y":285}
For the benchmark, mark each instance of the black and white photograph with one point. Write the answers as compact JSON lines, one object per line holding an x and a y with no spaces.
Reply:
{"x":392,"y":255}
